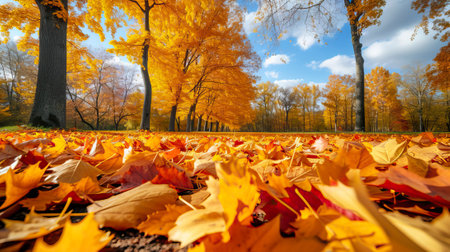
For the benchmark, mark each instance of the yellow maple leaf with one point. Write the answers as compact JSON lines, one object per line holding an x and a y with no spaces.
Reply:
{"x":84,"y":236}
{"x":161,"y":222}
{"x":19,"y":184}
{"x":60,"y":146}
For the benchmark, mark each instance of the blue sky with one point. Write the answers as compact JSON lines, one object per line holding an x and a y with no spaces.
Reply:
{"x":388,"y":45}
{"x":299,"y":58}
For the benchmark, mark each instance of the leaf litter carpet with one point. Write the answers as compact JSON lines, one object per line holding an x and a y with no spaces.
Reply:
{"x":142,"y":191}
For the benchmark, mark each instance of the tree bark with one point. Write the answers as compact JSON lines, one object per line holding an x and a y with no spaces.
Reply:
{"x":217,"y":126}
{"x":206,"y":124}
{"x":199,"y":123}
{"x":189,"y":118}
{"x":49,"y":107}
{"x":145,"y":118}
{"x":210,"y":126}
{"x":173,"y":116}
{"x":359,"y":88}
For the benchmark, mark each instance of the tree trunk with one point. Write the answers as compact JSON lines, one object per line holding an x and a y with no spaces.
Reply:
{"x":145,"y":118}
{"x":189,"y":118}
{"x":199,"y":123}
{"x":335,"y":120}
{"x":178,"y":124}
{"x":210,"y":126}
{"x":193,"y":117}
{"x":49,"y":107}
{"x":286,"y":120}
{"x":173,"y":116}
{"x":217,"y":126}
{"x":223,"y":127}
{"x":206,"y":124}
{"x":359,"y":88}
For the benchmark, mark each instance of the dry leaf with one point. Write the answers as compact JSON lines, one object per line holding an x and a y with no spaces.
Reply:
{"x":32,"y":227}
{"x":84,"y":236}
{"x":388,"y":151}
{"x":72,"y":171}
{"x":19,"y":184}
{"x":128,"y":209}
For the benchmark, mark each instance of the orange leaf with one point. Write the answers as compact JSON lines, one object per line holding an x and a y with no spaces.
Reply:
{"x":19,"y":184}
{"x":83,"y":236}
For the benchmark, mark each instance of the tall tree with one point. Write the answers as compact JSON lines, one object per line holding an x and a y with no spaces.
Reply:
{"x":278,"y":15}
{"x":57,"y":22}
{"x":286,"y":99}
{"x":139,"y":40}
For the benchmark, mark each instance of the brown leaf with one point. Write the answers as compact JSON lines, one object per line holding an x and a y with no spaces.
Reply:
{"x":130,"y":208}
{"x":72,"y":171}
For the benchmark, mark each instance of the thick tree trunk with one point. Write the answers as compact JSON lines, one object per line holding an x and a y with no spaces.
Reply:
{"x":210,"y":126}
{"x":206,"y":124}
{"x":146,"y":110}
{"x":199,"y":123}
{"x":49,"y":107}
{"x":173,"y":116}
{"x":359,"y":88}
{"x":217,"y":126}
{"x":189,"y":118}
{"x":178,"y":121}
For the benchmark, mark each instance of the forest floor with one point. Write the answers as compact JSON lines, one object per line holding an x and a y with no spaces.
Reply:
{"x":144,"y":191}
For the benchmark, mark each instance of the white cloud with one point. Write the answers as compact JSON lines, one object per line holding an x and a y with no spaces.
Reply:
{"x":313,"y":64}
{"x":115,"y":60}
{"x":307,"y":34}
{"x":339,"y":64}
{"x":397,"y":15}
{"x":250,"y":23}
{"x":277,"y":59}
{"x":16,"y":38}
{"x":390,"y":45}
{"x":288,"y":83}
{"x":400,"y":50}
{"x":271,"y":74}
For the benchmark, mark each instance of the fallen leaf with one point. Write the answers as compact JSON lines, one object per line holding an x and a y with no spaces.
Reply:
{"x":160,"y":222}
{"x":80,"y":189}
{"x":195,"y":224}
{"x":388,"y":151}
{"x":19,"y":184}
{"x":72,"y":171}
{"x":82,"y":236}
{"x":34,"y":226}
{"x":435,"y":189}
{"x":58,"y":148}
{"x":128,"y":209}
{"x":173,"y":177}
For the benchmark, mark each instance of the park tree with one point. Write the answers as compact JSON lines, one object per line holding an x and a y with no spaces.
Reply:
{"x":57,"y":22}
{"x":265,"y":101}
{"x":286,"y":99}
{"x":437,"y":12}
{"x":333,"y":99}
{"x":139,"y":42}
{"x":383,"y":104}
{"x":17,"y":81}
{"x":278,"y":15}
{"x":420,"y":100}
